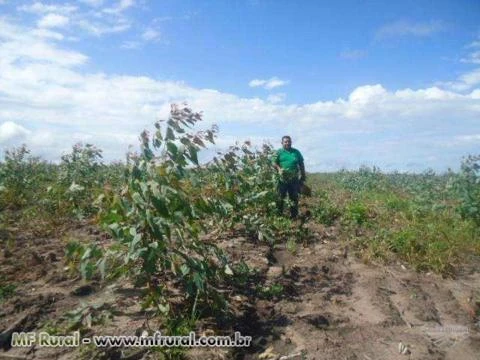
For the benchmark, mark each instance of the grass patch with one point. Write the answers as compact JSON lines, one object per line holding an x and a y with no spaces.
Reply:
{"x":6,"y":291}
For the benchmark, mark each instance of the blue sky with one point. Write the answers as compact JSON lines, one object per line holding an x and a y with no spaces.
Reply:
{"x":391,"y":84}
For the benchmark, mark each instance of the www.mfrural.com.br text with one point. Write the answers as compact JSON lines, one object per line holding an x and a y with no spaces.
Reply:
{"x":44,"y":339}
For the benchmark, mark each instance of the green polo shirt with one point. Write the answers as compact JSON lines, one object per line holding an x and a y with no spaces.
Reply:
{"x":289,"y":160}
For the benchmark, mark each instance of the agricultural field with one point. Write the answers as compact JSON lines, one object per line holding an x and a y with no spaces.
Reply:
{"x":377,"y":266}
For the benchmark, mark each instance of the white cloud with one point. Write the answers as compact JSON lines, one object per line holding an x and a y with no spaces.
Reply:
{"x":474,"y":44}
{"x":150,"y":35}
{"x":41,"y":8}
{"x":96,"y":22}
{"x":256,"y":83}
{"x":121,"y":6}
{"x":406,"y":28}
{"x":95,"y":3}
{"x":268,"y":84}
{"x":470,"y":79}
{"x":367,"y":94}
{"x":469,"y":138}
{"x":276,"y":98}
{"x":98,"y":28}
{"x":125,"y":4}
{"x":53,"y":20}
{"x":465,"y":81}
{"x":473,"y":58}
{"x":32,"y":46}
{"x":45,"y":33}
{"x":433,"y":93}
{"x":34,"y":50}
{"x":130,"y":45}
{"x":11,"y":131}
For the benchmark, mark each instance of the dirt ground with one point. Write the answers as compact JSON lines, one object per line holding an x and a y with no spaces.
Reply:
{"x":332,"y":305}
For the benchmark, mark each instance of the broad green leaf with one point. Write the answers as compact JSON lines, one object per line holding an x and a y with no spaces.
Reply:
{"x":170,"y":134}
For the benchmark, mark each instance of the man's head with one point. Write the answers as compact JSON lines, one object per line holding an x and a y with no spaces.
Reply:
{"x":287,"y":142}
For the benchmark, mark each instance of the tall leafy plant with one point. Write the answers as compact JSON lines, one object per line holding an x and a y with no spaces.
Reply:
{"x":19,"y":174}
{"x":157,"y":218}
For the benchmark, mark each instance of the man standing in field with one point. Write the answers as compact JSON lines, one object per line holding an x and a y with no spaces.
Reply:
{"x":289,"y":163}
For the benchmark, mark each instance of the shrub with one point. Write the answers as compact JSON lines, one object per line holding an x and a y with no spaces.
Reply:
{"x":157,"y":218}
{"x":357,"y":212}
{"x":18,"y":177}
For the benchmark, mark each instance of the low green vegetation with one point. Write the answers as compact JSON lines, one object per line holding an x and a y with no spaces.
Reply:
{"x":6,"y":291}
{"x":268,"y":292}
{"x":427,"y":220}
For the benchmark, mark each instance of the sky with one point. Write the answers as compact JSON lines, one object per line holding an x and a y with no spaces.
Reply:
{"x":391,"y":84}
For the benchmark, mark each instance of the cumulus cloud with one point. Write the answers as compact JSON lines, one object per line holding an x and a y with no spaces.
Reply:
{"x":473,"y":58}
{"x":403,"y":28}
{"x":45,"y":33}
{"x":97,"y":21}
{"x":276,"y":98}
{"x":268,"y":84}
{"x":99,"y":28}
{"x":151,"y":35}
{"x":31,"y":46}
{"x":465,"y":81}
{"x":53,"y":20}
{"x":41,"y":8}
{"x":470,"y":79}
{"x":11,"y":131}
{"x":121,"y":6}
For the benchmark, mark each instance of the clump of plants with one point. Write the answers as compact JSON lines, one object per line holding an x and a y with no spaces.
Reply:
{"x":20,"y":173}
{"x":158,"y":217}
{"x":467,"y":186}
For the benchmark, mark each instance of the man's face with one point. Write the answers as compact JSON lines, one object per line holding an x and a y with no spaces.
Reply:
{"x":287,"y":143}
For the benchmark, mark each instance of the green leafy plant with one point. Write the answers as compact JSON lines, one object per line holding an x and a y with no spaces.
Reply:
{"x":158,"y":218}
{"x":241,"y":184}
{"x":81,"y":178}
{"x":467,"y":186}
{"x":88,"y":315}
{"x":271,"y":291}
{"x":19,"y":175}
{"x":357,"y":212}
{"x":86,"y":259}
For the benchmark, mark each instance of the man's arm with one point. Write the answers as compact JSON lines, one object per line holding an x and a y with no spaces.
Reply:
{"x":303,"y":176}
{"x":276,"y":164}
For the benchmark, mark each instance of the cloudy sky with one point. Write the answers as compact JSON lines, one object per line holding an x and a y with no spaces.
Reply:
{"x":391,"y":84}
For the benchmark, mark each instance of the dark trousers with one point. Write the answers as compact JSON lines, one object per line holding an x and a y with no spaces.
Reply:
{"x":292,"y":188}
